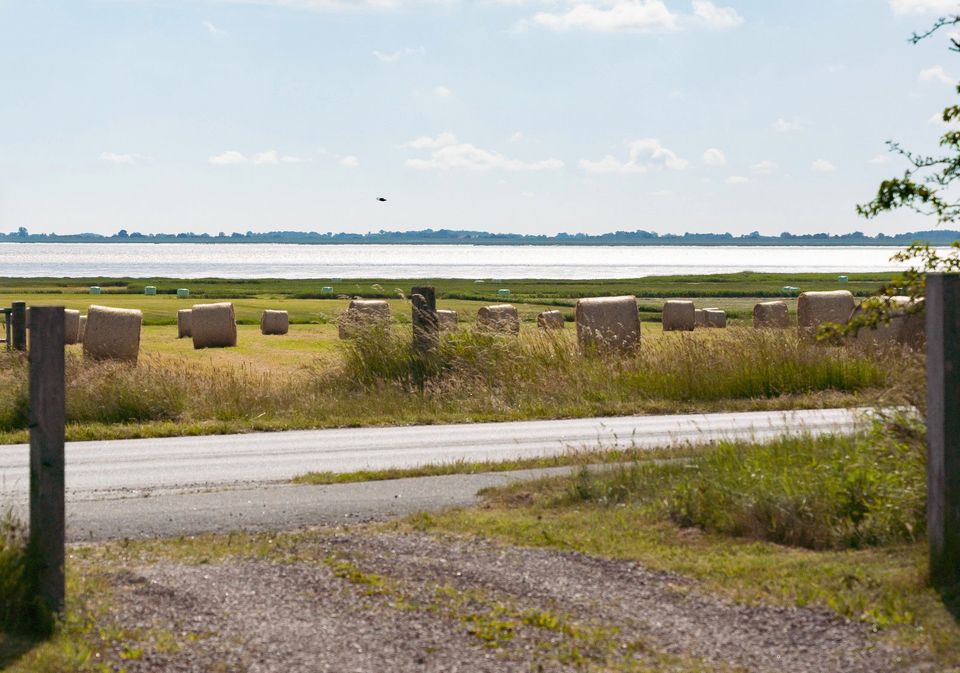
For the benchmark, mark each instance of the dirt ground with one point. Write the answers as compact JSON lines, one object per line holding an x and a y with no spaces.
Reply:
{"x":396,"y":602}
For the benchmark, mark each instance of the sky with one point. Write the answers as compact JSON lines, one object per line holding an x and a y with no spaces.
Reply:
{"x":527,"y":116}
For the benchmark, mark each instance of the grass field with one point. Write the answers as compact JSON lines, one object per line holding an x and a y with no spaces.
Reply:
{"x":744,"y":284}
{"x":309,"y":378}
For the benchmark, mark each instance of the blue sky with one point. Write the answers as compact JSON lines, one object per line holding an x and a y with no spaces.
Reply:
{"x":533,"y":116}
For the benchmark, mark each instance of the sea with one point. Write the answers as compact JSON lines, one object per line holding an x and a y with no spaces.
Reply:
{"x":241,"y":260}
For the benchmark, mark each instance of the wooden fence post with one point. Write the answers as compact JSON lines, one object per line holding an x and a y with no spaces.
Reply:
{"x":7,"y":328}
{"x":426,"y":331}
{"x":18,"y":324}
{"x":426,"y":324}
{"x":47,"y":418}
{"x":942,"y":306}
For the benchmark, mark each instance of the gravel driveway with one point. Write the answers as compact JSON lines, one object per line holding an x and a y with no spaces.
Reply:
{"x":397,"y":602}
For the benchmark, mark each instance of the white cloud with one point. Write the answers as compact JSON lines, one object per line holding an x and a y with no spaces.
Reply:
{"x":716,"y":17}
{"x":119,"y":159}
{"x":662,"y":192}
{"x":212,"y":29}
{"x":267,"y":157}
{"x":786,"y":125}
{"x":714,"y":157}
{"x":516,"y":137}
{"x":428,"y":143}
{"x":937,"y":120}
{"x":442,"y":92}
{"x":446,"y":154}
{"x":635,"y":16}
{"x":737,"y":180}
{"x":610,"y":164}
{"x":349,"y":161}
{"x":935,"y":74}
{"x":823,"y":166}
{"x":394,"y":56}
{"x":342,"y":5}
{"x":764,"y":167}
{"x":642,"y":155}
{"x":879,"y":159}
{"x":923,"y":6}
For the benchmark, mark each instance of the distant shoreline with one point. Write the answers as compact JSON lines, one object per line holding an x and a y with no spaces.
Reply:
{"x":639,"y":238}
{"x":773,"y":243}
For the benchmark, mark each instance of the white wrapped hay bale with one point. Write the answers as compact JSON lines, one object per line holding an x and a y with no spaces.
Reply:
{"x":906,"y":327}
{"x":679,"y":315}
{"x":83,"y":328}
{"x":274,"y":322}
{"x":447,"y":319}
{"x":112,"y":333}
{"x":608,"y":323}
{"x":499,"y":319}
{"x":714,"y":317}
{"x":213,"y":325}
{"x":548,"y":320}
{"x":183,"y":323}
{"x":771,"y":314}
{"x":362,"y":315}
{"x":71,"y":326}
{"x":816,"y":308}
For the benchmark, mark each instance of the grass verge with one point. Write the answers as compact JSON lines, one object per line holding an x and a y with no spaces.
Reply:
{"x":570,"y":459}
{"x":721,"y":517}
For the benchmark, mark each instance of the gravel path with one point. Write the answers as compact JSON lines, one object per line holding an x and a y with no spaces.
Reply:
{"x":408,"y":602}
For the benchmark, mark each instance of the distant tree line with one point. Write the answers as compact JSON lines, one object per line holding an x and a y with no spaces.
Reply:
{"x":453,"y":236}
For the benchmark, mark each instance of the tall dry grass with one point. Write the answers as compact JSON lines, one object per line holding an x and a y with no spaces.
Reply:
{"x":470,"y":377}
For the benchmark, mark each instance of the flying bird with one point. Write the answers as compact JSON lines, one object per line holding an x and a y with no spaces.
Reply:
{"x":380,"y":198}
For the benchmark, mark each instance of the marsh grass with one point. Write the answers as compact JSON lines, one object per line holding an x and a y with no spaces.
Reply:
{"x":827,"y":492}
{"x":471,"y":377}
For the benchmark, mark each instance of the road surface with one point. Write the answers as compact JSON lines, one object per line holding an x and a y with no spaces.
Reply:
{"x":186,"y":485}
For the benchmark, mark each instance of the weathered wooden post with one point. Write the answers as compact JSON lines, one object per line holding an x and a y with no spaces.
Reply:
{"x":18,"y":324}
{"x":46,"y":419}
{"x":426,"y":330}
{"x":6,"y":327}
{"x":942,"y":306}
{"x":426,"y":325}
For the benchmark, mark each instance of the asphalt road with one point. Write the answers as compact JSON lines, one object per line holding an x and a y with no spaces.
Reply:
{"x":187,"y":485}
{"x":230,"y":460}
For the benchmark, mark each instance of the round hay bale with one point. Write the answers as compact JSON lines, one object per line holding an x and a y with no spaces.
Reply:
{"x":274,"y":322}
{"x":71,"y":326}
{"x":83,"y":328}
{"x":112,"y":333}
{"x":448,"y":320}
{"x":548,"y":320}
{"x":769,"y":314}
{"x":183,"y":323}
{"x":906,"y":327}
{"x":213,"y":325}
{"x":499,"y":319}
{"x":816,"y":308}
{"x":679,"y":315}
{"x":362,"y":315}
{"x":608,"y":324}
{"x":714,"y":317}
